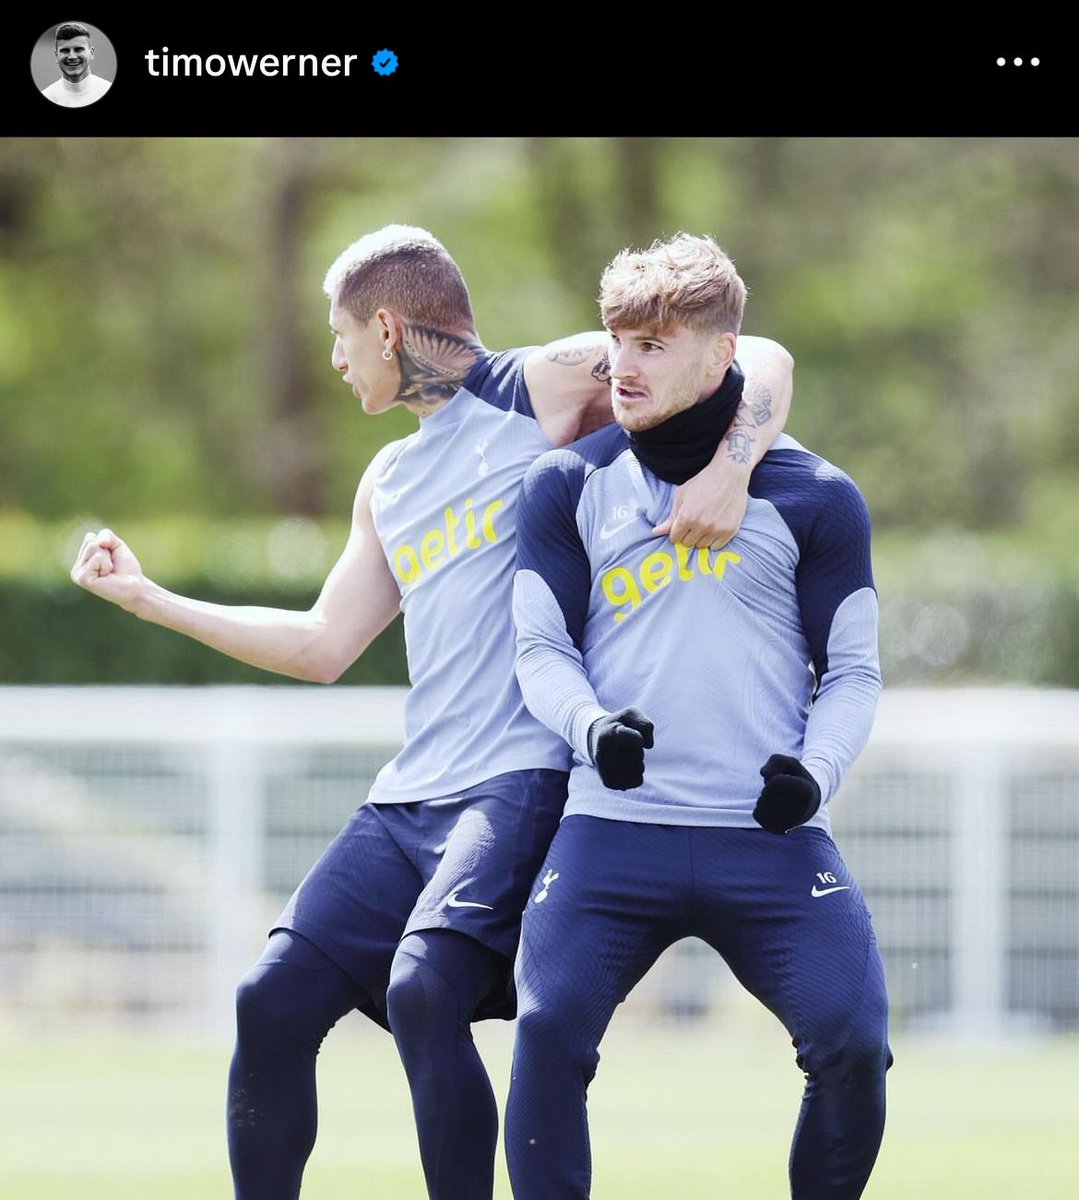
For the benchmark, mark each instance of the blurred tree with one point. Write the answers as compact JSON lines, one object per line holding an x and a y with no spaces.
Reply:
{"x":293,"y":464}
{"x":164,"y":351}
{"x":162,"y":330}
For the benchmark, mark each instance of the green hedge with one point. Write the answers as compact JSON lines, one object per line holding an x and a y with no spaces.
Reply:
{"x":53,"y":632}
{"x":956,"y":606}
{"x":68,"y":636}
{"x":984,"y":633}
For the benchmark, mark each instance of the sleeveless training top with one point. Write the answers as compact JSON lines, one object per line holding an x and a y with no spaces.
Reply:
{"x":444,"y":505}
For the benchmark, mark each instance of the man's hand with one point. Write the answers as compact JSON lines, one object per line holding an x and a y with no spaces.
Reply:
{"x":790,"y":795}
{"x":707,"y":509}
{"x":617,"y":744}
{"x":106,"y":566}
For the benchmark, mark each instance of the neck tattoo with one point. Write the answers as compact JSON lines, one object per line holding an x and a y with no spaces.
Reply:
{"x":433,"y":364}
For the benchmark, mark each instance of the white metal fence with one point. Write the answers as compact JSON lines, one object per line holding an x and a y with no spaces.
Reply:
{"x":149,"y":836}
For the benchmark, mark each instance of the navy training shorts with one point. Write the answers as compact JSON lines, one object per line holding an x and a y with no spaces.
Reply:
{"x":464,"y":862}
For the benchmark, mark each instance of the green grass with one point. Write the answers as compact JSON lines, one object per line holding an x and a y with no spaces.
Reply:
{"x":674,"y":1114}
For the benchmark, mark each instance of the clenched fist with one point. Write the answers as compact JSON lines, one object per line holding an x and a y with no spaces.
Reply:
{"x":617,"y":744}
{"x":106,"y":566}
{"x":790,"y":796}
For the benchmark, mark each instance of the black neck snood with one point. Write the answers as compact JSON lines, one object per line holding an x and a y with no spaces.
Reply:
{"x":679,"y":447}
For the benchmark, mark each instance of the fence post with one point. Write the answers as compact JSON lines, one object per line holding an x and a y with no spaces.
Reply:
{"x":233,"y":912}
{"x":979,"y":895}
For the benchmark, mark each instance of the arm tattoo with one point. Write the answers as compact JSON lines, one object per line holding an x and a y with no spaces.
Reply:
{"x":756,"y":407}
{"x":571,"y":356}
{"x":433,"y":364}
{"x":739,"y":445}
{"x":574,"y":356}
{"x":754,"y":411}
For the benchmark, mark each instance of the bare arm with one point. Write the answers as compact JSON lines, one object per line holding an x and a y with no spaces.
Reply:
{"x":708,"y":509}
{"x":358,"y":600}
{"x":569,"y":382}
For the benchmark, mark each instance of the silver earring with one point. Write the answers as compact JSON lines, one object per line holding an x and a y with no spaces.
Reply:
{"x":387,"y":354}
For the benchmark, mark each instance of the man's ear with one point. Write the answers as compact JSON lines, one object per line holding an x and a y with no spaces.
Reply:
{"x":391,"y":328}
{"x":722,"y":353}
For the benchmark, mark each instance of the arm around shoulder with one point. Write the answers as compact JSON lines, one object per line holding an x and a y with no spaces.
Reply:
{"x":766,"y":398}
{"x":708,"y":509}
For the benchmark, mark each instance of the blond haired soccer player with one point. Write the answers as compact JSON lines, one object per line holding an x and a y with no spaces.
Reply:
{"x":713,"y":701}
{"x":412,"y":914}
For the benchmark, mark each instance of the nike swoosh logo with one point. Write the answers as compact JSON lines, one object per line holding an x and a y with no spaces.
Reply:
{"x":845,"y":887}
{"x":606,"y":532}
{"x":453,"y":902}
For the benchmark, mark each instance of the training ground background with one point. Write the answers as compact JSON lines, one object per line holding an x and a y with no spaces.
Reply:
{"x":698,"y":1113}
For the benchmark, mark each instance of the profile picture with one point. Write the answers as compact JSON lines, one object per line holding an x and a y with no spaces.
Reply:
{"x":73,"y":64}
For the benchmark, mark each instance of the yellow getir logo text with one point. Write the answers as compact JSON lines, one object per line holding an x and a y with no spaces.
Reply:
{"x":439,"y":545}
{"x":626,"y":589}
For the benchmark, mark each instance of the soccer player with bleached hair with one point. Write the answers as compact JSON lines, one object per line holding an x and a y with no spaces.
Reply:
{"x":713,"y":700}
{"x":412,"y":914}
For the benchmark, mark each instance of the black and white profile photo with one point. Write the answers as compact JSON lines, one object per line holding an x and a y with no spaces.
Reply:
{"x":73,"y":64}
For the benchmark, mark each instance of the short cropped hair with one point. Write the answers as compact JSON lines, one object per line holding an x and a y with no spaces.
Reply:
{"x":65,"y":33}
{"x":403,"y":268}
{"x":685,"y":280}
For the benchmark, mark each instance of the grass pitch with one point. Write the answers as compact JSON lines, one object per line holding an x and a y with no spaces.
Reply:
{"x":676,"y":1112}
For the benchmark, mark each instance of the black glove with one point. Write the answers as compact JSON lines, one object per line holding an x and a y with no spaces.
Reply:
{"x":617,"y":744}
{"x":790,"y":795}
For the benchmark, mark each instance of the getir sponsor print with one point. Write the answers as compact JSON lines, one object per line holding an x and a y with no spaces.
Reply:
{"x":457,"y":534}
{"x":626,"y":590}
